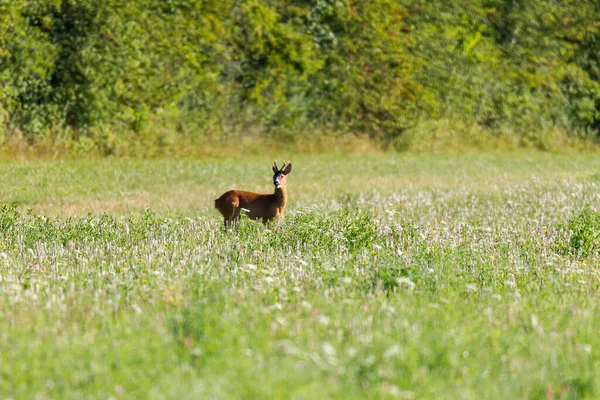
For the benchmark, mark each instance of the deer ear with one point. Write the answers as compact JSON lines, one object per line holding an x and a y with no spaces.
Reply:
{"x":275,"y":169}
{"x":288,"y":169}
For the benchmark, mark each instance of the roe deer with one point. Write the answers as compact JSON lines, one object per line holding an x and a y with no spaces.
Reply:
{"x":257,"y":206}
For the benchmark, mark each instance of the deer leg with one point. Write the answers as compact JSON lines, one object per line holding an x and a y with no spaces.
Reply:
{"x":236,"y":214}
{"x":229,"y":215}
{"x":233,"y":216}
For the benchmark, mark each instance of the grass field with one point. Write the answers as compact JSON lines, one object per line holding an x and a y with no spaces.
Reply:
{"x":392,"y":276}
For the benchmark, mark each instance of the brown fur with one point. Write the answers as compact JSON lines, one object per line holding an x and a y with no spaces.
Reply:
{"x":259,"y":206}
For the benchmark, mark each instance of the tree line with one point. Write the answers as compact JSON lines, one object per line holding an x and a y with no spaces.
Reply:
{"x":387,"y":68}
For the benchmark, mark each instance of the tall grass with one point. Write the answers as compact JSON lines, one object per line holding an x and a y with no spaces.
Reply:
{"x":390,"y":277}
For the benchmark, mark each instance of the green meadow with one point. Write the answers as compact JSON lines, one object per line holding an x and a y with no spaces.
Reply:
{"x":404,"y":276}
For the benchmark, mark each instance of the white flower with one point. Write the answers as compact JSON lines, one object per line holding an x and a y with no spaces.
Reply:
{"x":392,"y":351}
{"x":471,"y":287}
{"x":405,"y":281}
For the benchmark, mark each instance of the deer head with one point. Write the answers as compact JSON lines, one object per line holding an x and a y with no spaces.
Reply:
{"x":280,"y":175}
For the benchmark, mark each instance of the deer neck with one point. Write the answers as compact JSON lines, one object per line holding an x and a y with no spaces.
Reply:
{"x":280,"y":196}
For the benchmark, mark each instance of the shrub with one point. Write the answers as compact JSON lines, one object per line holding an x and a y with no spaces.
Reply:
{"x":584,"y":228}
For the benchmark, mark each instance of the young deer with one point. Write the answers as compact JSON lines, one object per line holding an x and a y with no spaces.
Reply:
{"x":256,"y":206}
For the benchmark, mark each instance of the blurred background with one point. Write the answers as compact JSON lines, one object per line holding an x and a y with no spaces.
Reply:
{"x":185,"y":77}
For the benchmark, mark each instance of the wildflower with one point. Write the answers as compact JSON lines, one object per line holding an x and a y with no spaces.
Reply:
{"x":405,"y":281}
{"x":392,"y":351}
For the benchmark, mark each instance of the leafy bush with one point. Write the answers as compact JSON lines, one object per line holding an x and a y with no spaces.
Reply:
{"x":351,"y":230}
{"x":584,"y":228}
{"x":9,"y":216}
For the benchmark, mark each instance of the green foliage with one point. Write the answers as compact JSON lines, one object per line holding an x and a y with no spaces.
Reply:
{"x":150,"y":71}
{"x":8,"y":217}
{"x":27,"y":59}
{"x":510,"y":65}
{"x":348,"y":230}
{"x":584,"y":229}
